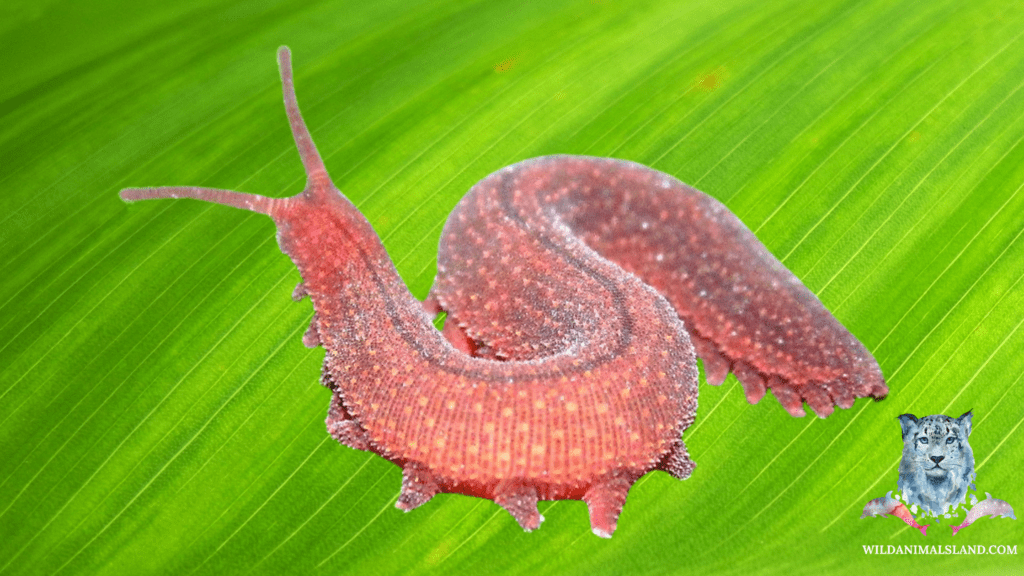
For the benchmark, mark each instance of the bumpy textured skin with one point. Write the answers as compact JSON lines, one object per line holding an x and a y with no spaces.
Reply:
{"x":574,"y":287}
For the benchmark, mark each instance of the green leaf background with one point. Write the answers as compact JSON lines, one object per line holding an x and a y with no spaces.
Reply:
{"x":158,"y":413}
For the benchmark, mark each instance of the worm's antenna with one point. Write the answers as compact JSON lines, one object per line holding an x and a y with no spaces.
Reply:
{"x":318,"y":183}
{"x":251,"y":202}
{"x":316,"y":173}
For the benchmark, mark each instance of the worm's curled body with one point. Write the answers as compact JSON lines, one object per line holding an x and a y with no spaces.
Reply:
{"x":577,"y":291}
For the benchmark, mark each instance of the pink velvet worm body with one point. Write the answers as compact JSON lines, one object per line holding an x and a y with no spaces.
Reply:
{"x":578,"y":291}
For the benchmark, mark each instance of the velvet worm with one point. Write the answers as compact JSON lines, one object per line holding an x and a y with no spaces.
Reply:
{"x":579,"y":292}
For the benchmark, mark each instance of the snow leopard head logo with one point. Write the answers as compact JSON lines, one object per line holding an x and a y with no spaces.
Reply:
{"x":938,"y":464}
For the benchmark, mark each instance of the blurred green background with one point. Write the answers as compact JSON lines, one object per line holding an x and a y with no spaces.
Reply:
{"x":159,"y":414}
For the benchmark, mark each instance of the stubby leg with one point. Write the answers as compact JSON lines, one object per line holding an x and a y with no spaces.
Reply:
{"x":753,"y":383}
{"x":716,"y":365}
{"x":788,"y":397}
{"x":418,"y":487}
{"x":677,"y":462}
{"x":605,"y":500}
{"x":521,"y":503}
{"x":343,"y":428}
{"x":311,"y":339}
